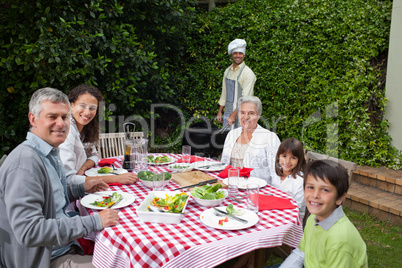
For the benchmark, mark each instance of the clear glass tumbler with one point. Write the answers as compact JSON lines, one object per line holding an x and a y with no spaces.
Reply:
{"x":233,"y":178}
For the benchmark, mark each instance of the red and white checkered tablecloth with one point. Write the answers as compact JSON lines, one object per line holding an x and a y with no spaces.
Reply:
{"x":133,"y":243}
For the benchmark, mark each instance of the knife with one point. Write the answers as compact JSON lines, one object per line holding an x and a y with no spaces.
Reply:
{"x":198,"y":184}
{"x":231,"y":216}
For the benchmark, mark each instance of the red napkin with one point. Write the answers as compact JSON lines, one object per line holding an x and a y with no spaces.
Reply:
{"x":115,"y":184}
{"x":267,"y":202}
{"x":87,"y":245}
{"x":244,"y":172}
{"x":192,"y":159}
{"x":106,"y":162}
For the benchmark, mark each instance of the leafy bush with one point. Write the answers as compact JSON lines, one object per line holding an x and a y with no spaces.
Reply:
{"x":125,"y":48}
{"x":319,"y":66}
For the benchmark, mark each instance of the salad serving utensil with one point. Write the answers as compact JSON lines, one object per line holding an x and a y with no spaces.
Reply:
{"x":210,"y":166}
{"x":198,"y":184}
{"x":230,"y":216}
{"x":223,"y":129}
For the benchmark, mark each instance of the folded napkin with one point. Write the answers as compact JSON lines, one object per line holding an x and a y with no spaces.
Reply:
{"x":267,"y":202}
{"x":115,"y":184}
{"x":244,"y":172}
{"x":192,"y":159}
{"x":106,"y":162}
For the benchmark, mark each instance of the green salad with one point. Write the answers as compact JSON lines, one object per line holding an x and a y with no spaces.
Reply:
{"x":233,"y":211}
{"x":148,"y":175}
{"x":158,"y":159}
{"x":180,"y":166}
{"x":104,"y":170}
{"x":107,"y":201}
{"x":172,"y":203}
{"x":209,"y":192}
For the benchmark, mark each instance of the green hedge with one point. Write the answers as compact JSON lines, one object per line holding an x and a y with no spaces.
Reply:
{"x":319,"y":67}
{"x":125,"y":48}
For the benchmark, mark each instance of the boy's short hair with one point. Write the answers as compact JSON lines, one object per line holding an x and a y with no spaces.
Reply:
{"x":335,"y":173}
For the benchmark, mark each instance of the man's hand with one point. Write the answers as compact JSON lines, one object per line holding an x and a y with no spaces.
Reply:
{"x":95,"y":184}
{"x":232,"y":118}
{"x":109,"y":217}
{"x":219,"y":117}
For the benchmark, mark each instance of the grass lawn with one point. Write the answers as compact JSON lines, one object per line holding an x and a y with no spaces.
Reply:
{"x":383,"y":240}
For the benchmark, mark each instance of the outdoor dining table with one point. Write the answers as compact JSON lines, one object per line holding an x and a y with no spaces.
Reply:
{"x":134,"y":243}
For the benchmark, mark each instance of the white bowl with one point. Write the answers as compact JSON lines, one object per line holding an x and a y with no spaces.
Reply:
{"x":180,"y":167}
{"x":162,"y":217}
{"x":210,"y":202}
{"x":150,"y":184}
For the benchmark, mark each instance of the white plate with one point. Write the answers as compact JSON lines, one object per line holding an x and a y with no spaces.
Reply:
{"x":242,"y":182}
{"x":199,"y":164}
{"x":160,"y":164}
{"x":209,"y":218}
{"x":128,"y":199}
{"x":93,"y":172}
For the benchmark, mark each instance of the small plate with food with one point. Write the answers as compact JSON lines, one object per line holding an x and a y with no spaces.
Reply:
{"x":106,"y":199}
{"x":104,"y":171}
{"x":160,"y":160}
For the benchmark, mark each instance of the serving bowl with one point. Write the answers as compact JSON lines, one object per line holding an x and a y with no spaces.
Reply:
{"x":181,"y":167}
{"x":147,"y":215}
{"x":210,"y":202}
{"x":149,"y":183}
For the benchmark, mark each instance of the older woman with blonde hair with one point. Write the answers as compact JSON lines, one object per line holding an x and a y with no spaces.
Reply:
{"x":251,"y":145}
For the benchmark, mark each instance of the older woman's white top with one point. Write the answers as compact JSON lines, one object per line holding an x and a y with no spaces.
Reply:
{"x":260,"y":154}
{"x":73,"y":155}
{"x":293,"y":187}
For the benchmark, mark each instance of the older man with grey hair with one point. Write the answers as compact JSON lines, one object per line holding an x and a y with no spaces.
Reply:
{"x":35,"y":230}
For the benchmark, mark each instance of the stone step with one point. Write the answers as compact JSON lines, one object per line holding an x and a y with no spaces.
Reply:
{"x":378,"y":192}
{"x":380,"y":178}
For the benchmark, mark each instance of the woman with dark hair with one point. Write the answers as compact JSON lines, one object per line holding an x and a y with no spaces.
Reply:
{"x":78,"y":153}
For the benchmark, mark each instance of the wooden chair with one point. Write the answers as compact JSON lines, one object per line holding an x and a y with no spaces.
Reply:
{"x":113,"y":144}
{"x":349,"y":166}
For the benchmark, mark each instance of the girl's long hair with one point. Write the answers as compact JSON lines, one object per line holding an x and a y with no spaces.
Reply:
{"x":295,"y":147}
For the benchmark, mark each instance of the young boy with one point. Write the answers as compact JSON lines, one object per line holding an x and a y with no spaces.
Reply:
{"x":329,"y":239}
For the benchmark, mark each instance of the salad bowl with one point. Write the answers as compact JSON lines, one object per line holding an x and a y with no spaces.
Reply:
{"x":208,"y":195}
{"x":147,"y":212}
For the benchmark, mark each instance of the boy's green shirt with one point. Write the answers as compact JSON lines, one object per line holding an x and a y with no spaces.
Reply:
{"x":333,"y":242}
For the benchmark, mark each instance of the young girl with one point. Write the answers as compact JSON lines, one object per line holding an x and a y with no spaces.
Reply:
{"x":289,"y":165}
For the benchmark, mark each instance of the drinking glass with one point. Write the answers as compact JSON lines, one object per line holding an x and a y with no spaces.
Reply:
{"x":158,"y":182}
{"x":141,"y":154}
{"x":253,"y":193}
{"x":186,"y":154}
{"x":233,"y":178}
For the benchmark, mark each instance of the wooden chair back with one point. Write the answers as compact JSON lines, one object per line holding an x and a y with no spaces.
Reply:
{"x":113,"y":144}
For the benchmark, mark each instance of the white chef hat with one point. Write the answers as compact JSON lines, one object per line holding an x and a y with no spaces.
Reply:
{"x":237,"y":45}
